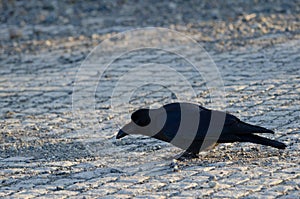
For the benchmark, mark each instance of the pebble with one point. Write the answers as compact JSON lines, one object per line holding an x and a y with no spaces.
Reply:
{"x":212,"y":184}
{"x":15,"y":33}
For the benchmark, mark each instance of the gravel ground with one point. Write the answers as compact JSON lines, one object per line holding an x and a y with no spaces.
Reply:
{"x":45,"y":152}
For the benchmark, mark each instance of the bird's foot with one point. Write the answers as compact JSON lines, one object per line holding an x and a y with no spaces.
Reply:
{"x":186,"y":156}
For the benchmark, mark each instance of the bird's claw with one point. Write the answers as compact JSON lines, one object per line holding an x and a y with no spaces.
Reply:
{"x":186,"y":156}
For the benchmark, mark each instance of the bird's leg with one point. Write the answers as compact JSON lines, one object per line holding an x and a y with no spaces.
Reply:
{"x":186,"y":155}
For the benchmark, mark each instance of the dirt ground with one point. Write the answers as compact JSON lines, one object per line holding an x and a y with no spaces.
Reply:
{"x":46,"y":151}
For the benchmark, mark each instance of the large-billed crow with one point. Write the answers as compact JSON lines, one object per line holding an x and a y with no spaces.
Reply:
{"x":194,"y":128}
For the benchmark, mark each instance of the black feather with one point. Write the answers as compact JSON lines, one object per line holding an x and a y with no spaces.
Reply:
{"x":232,"y":128}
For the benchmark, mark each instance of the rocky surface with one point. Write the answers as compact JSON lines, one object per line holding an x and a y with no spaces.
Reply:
{"x":47,"y":152}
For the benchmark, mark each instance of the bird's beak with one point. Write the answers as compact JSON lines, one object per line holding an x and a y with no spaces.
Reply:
{"x":121,"y":134}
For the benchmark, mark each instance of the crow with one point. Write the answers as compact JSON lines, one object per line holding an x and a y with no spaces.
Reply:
{"x":194,"y":128}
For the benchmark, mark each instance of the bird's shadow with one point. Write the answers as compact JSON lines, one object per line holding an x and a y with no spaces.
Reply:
{"x":231,"y":154}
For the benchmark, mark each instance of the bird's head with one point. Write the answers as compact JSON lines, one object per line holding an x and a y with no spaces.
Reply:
{"x":145,"y":122}
{"x":139,"y":119}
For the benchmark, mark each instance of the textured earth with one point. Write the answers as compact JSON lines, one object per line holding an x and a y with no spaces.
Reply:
{"x":49,"y":148}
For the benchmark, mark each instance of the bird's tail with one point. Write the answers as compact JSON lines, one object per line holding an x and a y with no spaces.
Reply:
{"x":261,"y":140}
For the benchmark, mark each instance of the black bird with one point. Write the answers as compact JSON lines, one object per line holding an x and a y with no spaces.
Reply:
{"x":194,"y":128}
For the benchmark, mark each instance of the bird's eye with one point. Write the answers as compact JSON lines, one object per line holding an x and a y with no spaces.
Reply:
{"x":141,"y":117}
{"x":143,"y":121}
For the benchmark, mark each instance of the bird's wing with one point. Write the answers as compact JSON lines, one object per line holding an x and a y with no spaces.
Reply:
{"x":242,"y":128}
{"x":194,"y":115}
